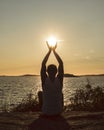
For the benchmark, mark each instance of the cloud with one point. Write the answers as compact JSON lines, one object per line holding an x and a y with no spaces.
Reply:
{"x":94,"y":59}
{"x":88,"y":58}
{"x":100,"y":59}
{"x":76,"y":54}
{"x":92,"y":51}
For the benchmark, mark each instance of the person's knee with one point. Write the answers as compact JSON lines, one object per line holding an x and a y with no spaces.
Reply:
{"x":40,"y":98}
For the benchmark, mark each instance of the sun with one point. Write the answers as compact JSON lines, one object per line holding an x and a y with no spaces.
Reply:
{"x":52,"y":41}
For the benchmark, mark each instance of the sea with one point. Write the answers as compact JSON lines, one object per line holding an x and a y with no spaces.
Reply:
{"x":15,"y":89}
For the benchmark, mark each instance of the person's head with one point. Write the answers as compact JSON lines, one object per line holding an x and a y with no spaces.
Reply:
{"x":52,"y":70}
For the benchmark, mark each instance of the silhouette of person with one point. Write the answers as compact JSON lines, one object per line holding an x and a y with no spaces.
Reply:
{"x":51,"y":98}
{"x":52,"y":84}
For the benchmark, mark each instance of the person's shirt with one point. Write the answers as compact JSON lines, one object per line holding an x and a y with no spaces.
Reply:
{"x":52,"y":96}
{"x":50,"y":105}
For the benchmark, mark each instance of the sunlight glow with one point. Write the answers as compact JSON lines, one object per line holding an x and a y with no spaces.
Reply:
{"x":52,"y":41}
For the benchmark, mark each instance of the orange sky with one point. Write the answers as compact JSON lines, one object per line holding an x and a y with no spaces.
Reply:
{"x":25,"y":25}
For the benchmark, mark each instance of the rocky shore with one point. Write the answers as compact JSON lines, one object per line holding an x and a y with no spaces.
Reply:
{"x":67,"y":121}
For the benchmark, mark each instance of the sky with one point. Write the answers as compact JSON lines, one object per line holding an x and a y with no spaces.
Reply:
{"x":26,"y":24}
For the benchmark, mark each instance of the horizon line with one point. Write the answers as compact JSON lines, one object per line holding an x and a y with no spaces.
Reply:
{"x":4,"y":75}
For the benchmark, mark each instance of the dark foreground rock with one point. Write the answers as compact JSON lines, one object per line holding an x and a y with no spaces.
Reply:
{"x":67,"y":121}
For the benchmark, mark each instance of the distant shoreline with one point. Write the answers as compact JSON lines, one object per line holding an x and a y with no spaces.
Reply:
{"x":65,"y":75}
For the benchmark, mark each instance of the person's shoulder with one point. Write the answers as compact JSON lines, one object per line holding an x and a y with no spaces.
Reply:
{"x":47,"y":79}
{"x":59,"y":79}
{"x":59,"y":76}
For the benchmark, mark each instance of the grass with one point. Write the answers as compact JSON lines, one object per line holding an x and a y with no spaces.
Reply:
{"x":27,"y":105}
{"x":90,"y":99}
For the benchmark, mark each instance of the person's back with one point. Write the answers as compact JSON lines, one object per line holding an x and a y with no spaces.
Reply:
{"x":52,"y":84}
{"x":52,"y":97}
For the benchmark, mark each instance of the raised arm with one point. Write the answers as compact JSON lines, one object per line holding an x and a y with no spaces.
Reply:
{"x":60,"y":67}
{"x":43,"y":66}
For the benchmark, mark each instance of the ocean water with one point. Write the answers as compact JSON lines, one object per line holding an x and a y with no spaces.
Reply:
{"x":14,"y":89}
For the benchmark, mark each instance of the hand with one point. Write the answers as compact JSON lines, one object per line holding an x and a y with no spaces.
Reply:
{"x":54,"y":48}
{"x":49,"y":47}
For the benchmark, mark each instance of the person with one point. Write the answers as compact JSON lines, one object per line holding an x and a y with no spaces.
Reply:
{"x":52,"y":84}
